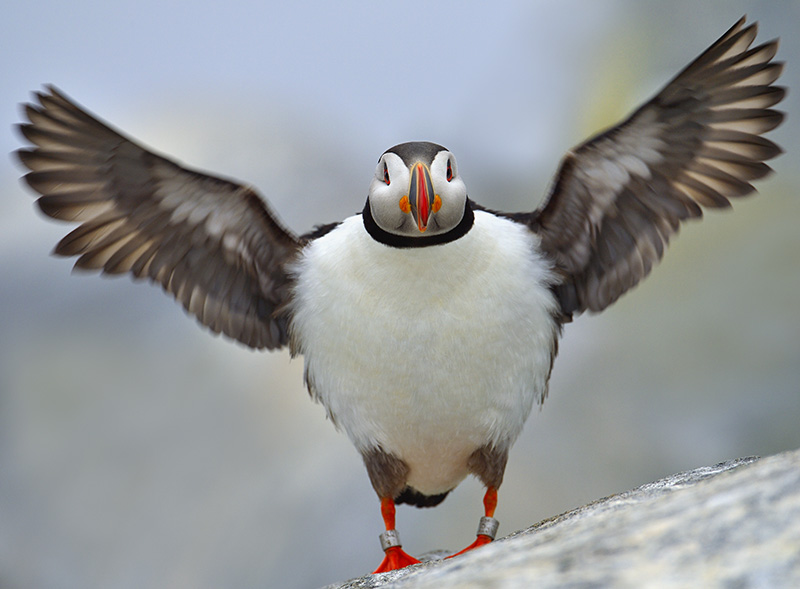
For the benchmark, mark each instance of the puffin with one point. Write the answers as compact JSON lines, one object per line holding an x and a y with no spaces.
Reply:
{"x":428,"y":324}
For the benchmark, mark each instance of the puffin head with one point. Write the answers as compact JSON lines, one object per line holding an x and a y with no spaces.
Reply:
{"x":417,"y":191}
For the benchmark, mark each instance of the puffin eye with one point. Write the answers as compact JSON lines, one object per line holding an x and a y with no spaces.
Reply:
{"x":386,"y":174}
{"x":449,"y":171}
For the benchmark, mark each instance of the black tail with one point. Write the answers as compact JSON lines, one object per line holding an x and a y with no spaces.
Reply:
{"x":413,"y":497}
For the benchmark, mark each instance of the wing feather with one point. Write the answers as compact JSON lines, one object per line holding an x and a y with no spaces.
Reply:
{"x":619,"y":197}
{"x":212,"y":243}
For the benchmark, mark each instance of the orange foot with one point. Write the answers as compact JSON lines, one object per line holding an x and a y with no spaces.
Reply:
{"x":396,"y":558}
{"x":487,"y":528}
{"x":479,"y":541}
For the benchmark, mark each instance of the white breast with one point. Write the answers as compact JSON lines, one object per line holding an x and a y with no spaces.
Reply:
{"x":428,"y":352}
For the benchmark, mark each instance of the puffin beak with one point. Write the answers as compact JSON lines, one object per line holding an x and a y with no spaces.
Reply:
{"x":421,"y":198}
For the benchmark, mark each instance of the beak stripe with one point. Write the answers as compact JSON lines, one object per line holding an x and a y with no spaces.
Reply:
{"x":422,"y":198}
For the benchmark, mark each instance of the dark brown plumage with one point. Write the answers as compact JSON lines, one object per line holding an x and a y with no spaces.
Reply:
{"x":618,"y":197}
{"x":213,"y":244}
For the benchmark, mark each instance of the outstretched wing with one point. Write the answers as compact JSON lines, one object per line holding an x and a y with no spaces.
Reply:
{"x":212,"y":243}
{"x":618,"y":198}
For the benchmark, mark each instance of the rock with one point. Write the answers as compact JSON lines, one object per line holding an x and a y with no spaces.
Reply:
{"x":733,"y":525}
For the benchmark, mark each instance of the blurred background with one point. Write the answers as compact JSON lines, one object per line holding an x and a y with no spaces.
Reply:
{"x":138,"y":451}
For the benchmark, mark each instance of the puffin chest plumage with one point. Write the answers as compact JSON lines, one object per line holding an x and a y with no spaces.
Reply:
{"x":426,"y":353}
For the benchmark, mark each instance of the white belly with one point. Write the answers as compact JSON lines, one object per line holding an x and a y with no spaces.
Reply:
{"x":431,"y":352}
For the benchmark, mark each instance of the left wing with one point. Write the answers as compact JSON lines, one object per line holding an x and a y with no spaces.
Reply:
{"x":618,"y":198}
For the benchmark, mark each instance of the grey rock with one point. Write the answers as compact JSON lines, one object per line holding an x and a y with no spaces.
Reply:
{"x":732,"y":525}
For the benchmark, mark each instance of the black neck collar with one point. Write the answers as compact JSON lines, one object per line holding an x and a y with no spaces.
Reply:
{"x":403,"y":241}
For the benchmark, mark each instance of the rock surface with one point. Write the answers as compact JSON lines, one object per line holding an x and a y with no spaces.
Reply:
{"x":733,"y":525}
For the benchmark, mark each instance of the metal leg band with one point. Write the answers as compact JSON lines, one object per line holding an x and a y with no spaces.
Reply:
{"x":389,"y":539}
{"x":488,"y":527}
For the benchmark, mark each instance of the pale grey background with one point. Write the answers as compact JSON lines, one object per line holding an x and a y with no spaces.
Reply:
{"x":138,"y":451}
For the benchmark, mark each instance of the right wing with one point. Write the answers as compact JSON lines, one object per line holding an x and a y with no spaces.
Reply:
{"x":212,"y":243}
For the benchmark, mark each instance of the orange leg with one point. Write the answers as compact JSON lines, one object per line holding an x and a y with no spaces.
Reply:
{"x":396,"y":557}
{"x":488,"y":525}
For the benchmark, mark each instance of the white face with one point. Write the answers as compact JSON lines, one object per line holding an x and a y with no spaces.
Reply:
{"x":420,"y":200}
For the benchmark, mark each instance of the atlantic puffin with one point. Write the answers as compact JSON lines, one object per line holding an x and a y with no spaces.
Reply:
{"x":428,"y":323}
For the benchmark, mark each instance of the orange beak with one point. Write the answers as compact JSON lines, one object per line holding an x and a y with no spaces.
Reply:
{"x":420,"y":195}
